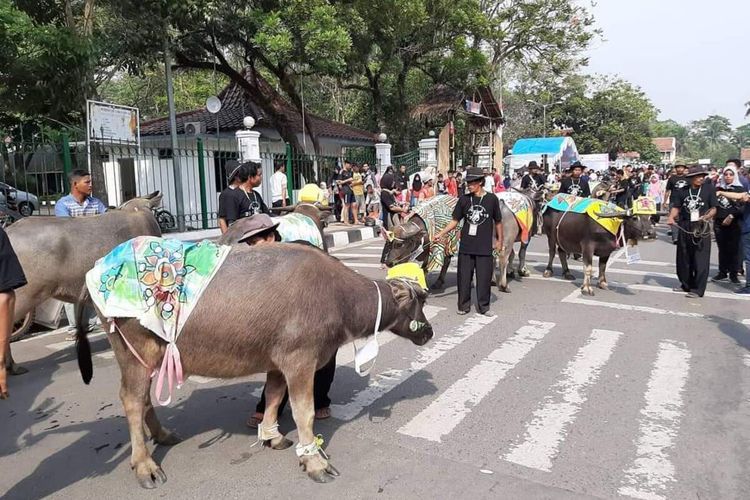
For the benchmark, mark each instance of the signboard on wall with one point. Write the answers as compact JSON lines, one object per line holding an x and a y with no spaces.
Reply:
{"x":108,"y":122}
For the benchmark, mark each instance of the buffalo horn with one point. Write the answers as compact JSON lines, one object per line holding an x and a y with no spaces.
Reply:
{"x":282,"y":210}
{"x":621,"y":215}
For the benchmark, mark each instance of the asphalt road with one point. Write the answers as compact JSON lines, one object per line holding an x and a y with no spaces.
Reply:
{"x":636,"y":392}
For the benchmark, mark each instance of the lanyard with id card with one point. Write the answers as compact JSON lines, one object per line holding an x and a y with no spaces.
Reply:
{"x":695,"y":213}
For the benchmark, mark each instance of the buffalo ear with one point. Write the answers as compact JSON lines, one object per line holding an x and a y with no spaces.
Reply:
{"x":401,"y":293}
{"x":154,"y":199}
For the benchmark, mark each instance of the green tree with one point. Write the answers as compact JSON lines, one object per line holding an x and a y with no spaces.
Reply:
{"x":610,"y":115}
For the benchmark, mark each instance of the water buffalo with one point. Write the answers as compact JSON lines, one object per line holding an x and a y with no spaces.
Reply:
{"x":288,"y":331}
{"x":569,"y":232}
{"x":56,"y":253}
{"x":317,"y":213}
{"x":512,"y":234}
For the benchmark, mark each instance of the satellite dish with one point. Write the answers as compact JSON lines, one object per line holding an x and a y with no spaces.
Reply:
{"x":213,"y":104}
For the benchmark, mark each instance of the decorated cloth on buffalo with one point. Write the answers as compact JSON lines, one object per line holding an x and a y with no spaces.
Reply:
{"x":159,"y":281}
{"x":294,"y":227}
{"x":436,"y":214}
{"x":590,"y":206}
{"x":522,"y":209}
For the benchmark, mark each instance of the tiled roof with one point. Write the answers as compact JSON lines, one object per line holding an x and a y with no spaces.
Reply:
{"x":664,"y":144}
{"x":237,"y":104}
{"x":745,"y":154}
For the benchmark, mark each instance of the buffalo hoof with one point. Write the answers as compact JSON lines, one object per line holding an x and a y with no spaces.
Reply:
{"x":15,"y":369}
{"x":603,"y":285}
{"x":524,"y":273}
{"x":587,"y":291}
{"x":504,"y":289}
{"x":279,"y":443}
{"x":320,"y":476}
{"x":511,"y":275}
{"x":547,"y":273}
{"x":568,"y":276}
{"x":149,"y":474}
{"x":438,"y":285}
{"x":168,"y":439}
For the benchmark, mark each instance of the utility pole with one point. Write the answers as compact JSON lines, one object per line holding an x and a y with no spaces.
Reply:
{"x":179,"y":205}
{"x":544,"y":113}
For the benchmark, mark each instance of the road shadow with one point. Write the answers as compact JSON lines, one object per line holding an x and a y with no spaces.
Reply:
{"x":733,"y":329}
{"x":220,"y":412}
{"x":23,"y":410}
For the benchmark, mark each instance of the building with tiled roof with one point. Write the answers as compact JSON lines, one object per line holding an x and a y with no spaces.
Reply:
{"x":667,"y":146}
{"x":745,"y":156}
{"x":236,"y":104}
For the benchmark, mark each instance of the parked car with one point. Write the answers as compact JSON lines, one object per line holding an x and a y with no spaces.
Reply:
{"x":25,"y":203}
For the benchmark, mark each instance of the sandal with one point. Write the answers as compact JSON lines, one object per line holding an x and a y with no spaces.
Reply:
{"x":254,"y":421}
{"x":323,"y":413}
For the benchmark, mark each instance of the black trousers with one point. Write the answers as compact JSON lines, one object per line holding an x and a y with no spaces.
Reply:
{"x":468,"y":266}
{"x":728,"y":239}
{"x":278,"y":203}
{"x":321,"y":386}
{"x":693,"y":259}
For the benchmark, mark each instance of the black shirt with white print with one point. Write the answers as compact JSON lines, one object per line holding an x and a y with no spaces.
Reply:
{"x":701,"y":199}
{"x":243,"y":204}
{"x":676,"y":184}
{"x":482,"y":213}
{"x":727,"y":207}
{"x":575,"y":187}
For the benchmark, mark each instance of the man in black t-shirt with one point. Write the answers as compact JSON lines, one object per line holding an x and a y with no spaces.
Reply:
{"x":245,"y":201}
{"x":533,"y":179}
{"x":390,"y":206}
{"x":402,"y":179}
{"x":480,"y":213}
{"x":574,"y":184}
{"x":693,"y":208}
{"x":677,"y":183}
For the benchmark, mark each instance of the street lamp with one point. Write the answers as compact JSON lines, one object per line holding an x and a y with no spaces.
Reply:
{"x":544,"y":112}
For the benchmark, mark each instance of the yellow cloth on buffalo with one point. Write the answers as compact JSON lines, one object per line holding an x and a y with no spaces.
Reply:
{"x":311,"y":193}
{"x":522,"y":208}
{"x":409,"y":270}
{"x":644,"y":206}
{"x":590,"y":206}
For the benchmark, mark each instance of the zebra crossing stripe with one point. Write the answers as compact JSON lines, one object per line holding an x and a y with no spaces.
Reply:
{"x":652,"y":471}
{"x":545,"y":433}
{"x":447,"y":411}
{"x":384,"y":382}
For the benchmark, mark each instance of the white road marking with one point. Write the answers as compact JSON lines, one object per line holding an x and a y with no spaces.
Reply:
{"x":358,"y":255}
{"x":346,"y":352}
{"x":59,"y":346}
{"x":384,"y":382}
{"x":648,"y":288}
{"x":360,"y":264}
{"x":576,"y":298}
{"x":746,"y":360}
{"x":448,"y":410}
{"x":614,"y":258}
{"x":615,"y":270}
{"x":652,"y":471}
{"x":551,"y":421}
{"x":202,"y":380}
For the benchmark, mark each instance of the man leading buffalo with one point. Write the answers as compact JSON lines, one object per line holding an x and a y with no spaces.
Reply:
{"x":693,"y":209}
{"x":480,"y":212}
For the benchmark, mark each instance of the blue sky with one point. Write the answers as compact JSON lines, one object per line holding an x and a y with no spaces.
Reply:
{"x":691,"y":57}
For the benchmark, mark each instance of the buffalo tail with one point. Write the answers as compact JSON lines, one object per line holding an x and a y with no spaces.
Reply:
{"x":83,"y":348}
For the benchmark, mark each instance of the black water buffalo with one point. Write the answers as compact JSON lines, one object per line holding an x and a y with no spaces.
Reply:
{"x":569,"y":232}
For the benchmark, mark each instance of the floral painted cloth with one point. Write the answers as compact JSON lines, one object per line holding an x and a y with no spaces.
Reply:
{"x":436,"y":213}
{"x":590,"y":206}
{"x":294,"y":227}
{"x":522,"y":208}
{"x":159,"y":281}
{"x":156,"y":280}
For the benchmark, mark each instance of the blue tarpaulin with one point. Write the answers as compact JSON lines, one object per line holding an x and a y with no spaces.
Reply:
{"x":548,"y":145}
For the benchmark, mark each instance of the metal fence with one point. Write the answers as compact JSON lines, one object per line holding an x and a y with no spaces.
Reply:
{"x":36,"y":174}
